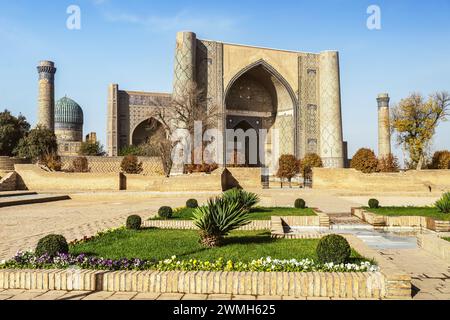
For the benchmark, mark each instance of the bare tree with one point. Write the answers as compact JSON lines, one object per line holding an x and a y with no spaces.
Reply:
{"x":182,"y":113}
{"x":415,"y":121}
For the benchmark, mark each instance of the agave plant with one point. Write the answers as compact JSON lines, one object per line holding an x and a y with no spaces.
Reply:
{"x":218,"y":218}
{"x":246,"y":199}
{"x":443,"y":204}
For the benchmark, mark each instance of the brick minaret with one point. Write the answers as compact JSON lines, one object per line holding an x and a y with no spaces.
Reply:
{"x":46,"y":99}
{"x":384,"y":130}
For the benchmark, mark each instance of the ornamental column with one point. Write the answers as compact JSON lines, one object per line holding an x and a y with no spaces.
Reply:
{"x":46,"y":96}
{"x":331,"y":136}
{"x":384,"y":130}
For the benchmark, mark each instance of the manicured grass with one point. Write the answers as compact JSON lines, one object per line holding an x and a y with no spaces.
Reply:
{"x":159,"y":244}
{"x":411,"y":211}
{"x":260,"y":213}
{"x":448,"y":239}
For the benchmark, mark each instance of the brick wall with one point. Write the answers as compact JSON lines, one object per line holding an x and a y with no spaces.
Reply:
{"x":410,"y":181}
{"x":152,"y":165}
{"x":8,"y":182}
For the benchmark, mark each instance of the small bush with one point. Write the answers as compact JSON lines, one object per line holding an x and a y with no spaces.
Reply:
{"x":300,"y":204}
{"x":311,"y":160}
{"x":288,"y":167}
{"x":51,"y":161}
{"x":192,"y":203}
{"x":165,"y":212}
{"x":443,"y":204}
{"x":388,"y":164}
{"x":374,"y":204}
{"x":441,"y":160}
{"x":365,"y":161}
{"x":131,"y":165}
{"x":52,"y":245}
{"x":134,"y":222}
{"x":333,"y":248}
{"x":80,"y":164}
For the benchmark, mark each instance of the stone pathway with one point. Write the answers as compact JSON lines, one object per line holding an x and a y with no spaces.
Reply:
{"x":101,"y":295}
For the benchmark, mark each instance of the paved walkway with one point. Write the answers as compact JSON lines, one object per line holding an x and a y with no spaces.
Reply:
{"x":101,"y":295}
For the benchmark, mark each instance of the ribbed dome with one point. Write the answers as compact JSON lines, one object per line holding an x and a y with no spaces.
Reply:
{"x":68,"y":111}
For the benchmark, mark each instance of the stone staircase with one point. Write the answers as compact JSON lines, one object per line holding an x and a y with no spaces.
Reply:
{"x":18,"y":198}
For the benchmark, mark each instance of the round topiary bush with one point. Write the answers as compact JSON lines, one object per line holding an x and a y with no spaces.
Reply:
{"x":192,"y":203}
{"x":333,"y":248}
{"x":134,"y":222}
{"x":165,"y":212}
{"x":52,"y":245}
{"x":374,"y":204}
{"x":300,"y":204}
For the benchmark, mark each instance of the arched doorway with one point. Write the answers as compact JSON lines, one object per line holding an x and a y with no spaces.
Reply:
{"x":146,"y":131}
{"x":259,"y":98}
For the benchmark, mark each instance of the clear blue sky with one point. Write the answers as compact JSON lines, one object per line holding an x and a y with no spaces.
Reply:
{"x":132,"y":43}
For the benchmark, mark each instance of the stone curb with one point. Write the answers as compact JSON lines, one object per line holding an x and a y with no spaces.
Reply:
{"x":402,"y":221}
{"x":312,"y":284}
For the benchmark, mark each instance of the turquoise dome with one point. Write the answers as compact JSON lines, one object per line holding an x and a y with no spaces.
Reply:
{"x":68,"y":111}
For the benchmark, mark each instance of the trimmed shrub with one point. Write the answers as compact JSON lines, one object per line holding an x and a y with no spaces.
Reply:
{"x":365,"y":161}
{"x":51,"y":161}
{"x":311,"y":160}
{"x":300,"y":204}
{"x":374,"y":204}
{"x":80,"y":164}
{"x":443,"y":204}
{"x":333,"y":248}
{"x":388,"y":164}
{"x":52,"y":245}
{"x":441,"y":160}
{"x":134,"y":222}
{"x":192,"y":204}
{"x":288,"y":168}
{"x":131,"y":165}
{"x":165,"y":212}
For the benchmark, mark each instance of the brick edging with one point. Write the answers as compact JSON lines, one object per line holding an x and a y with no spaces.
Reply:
{"x":295,"y":284}
{"x":255,"y":225}
{"x":401,"y":221}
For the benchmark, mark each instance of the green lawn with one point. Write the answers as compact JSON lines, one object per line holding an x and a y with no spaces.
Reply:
{"x":411,"y":211}
{"x":259,"y":213}
{"x":162,"y":244}
{"x":448,"y":239}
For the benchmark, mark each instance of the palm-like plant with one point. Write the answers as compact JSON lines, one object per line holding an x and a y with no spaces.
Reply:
{"x":443,"y":204}
{"x":246,"y":199}
{"x":218,"y":218}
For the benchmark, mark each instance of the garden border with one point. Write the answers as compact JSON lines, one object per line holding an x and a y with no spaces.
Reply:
{"x":365,"y":285}
{"x":435,"y":245}
{"x":401,"y":221}
{"x":319,"y":220}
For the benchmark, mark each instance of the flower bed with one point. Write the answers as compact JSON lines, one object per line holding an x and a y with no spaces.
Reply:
{"x":28,"y":260}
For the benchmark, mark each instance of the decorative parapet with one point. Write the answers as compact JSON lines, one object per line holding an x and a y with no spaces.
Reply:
{"x":401,"y":221}
{"x":310,"y":284}
{"x":435,"y":245}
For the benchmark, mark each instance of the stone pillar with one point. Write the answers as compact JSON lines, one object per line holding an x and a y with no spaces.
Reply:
{"x":46,"y":96}
{"x":185,"y":57}
{"x":331,"y":136}
{"x":384,"y":130}
{"x":113,"y":117}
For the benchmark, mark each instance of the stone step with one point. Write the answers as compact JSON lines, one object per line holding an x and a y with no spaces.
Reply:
{"x":9,"y":194}
{"x":18,"y":200}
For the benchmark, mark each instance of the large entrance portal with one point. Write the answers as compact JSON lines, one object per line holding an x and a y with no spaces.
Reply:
{"x":261,"y":106}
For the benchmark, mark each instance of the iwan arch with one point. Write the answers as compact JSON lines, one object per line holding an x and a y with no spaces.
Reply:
{"x":296,"y":93}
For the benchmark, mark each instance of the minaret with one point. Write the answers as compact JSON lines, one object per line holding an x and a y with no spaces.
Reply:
{"x":46,"y":99}
{"x":331,"y":141}
{"x":384,"y":130}
{"x":185,"y":58}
